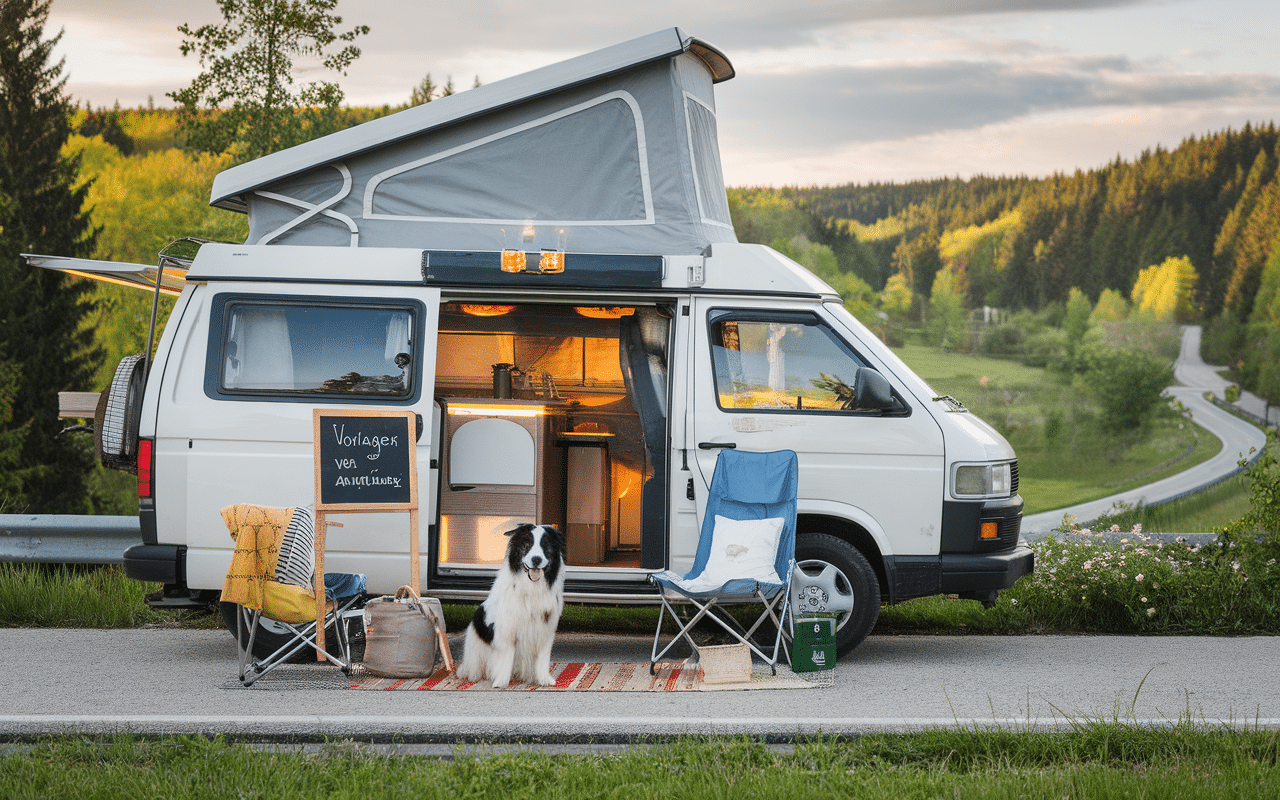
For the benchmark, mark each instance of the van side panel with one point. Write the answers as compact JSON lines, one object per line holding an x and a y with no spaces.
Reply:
{"x":212,"y":451}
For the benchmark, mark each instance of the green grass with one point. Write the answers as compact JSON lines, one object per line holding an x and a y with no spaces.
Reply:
{"x":938,"y":367}
{"x":1203,"y":512}
{"x":1090,"y":759}
{"x":1064,"y":455}
{"x":67,"y":596}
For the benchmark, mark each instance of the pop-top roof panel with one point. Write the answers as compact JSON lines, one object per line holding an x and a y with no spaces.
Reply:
{"x":611,"y":152}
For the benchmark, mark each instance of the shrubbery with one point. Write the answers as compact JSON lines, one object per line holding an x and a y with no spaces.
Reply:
{"x":1114,"y":582}
{"x":1088,"y":581}
{"x":1127,"y":384}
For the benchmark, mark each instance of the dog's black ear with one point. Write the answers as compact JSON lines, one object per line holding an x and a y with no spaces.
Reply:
{"x":524,"y":526}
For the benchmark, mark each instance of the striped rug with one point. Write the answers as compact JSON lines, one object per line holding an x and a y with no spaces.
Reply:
{"x":671,"y":676}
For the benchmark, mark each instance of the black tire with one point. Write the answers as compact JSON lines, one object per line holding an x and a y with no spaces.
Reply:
{"x":846,"y":570}
{"x":119,"y":412}
{"x":266,"y":642}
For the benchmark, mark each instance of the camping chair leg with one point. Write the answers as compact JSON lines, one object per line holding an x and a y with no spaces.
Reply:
{"x":304,"y":636}
{"x":682,"y":632}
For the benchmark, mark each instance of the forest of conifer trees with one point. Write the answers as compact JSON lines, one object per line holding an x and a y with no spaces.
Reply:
{"x":1201,"y":222}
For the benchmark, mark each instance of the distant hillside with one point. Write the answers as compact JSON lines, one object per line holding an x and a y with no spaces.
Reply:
{"x":1025,"y":243}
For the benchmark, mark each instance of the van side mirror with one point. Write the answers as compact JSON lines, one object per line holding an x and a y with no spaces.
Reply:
{"x":871,"y":392}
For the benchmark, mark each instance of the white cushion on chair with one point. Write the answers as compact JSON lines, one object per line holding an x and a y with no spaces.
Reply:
{"x":296,"y":564}
{"x":743,"y":548}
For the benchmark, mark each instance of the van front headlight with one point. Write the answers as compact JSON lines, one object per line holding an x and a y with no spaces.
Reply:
{"x":977,"y":481}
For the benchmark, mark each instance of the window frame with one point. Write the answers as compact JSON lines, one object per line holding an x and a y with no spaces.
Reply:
{"x":794,"y":317}
{"x":223,"y":304}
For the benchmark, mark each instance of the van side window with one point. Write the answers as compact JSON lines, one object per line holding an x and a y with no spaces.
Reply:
{"x":791,"y":364}
{"x":317,"y":349}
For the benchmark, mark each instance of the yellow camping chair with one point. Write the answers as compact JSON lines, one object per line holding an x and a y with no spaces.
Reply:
{"x":270,"y":584}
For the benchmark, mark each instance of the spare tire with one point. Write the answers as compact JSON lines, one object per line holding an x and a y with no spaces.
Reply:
{"x":119,"y":412}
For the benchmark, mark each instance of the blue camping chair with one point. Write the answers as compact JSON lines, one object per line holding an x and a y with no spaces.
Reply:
{"x":746,"y":552}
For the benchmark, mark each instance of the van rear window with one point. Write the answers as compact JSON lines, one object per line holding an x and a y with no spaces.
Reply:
{"x":315,"y":349}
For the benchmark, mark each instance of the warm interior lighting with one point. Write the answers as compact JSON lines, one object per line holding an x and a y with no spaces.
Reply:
{"x":552,"y":261}
{"x":604,"y":313}
{"x":476,"y":310}
{"x":513,"y":261}
{"x":989,"y":531}
{"x":494,"y":409}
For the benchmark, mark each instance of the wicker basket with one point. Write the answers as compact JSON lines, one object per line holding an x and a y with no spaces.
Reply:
{"x":724,"y":663}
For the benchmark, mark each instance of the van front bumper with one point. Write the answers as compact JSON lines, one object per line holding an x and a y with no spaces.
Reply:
{"x":963,"y":574}
{"x":969,"y":564}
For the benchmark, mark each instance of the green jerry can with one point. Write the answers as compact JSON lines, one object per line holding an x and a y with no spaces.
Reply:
{"x":814,"y":645}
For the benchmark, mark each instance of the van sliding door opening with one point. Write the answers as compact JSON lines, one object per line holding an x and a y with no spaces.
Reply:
{"x":553,"y":414}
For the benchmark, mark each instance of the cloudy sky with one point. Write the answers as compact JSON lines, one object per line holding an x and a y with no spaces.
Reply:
{"x":827,"y":91}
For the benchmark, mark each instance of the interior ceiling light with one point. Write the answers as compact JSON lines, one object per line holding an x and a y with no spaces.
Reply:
{"x":604,"y":313}
{"x":477,"y":310}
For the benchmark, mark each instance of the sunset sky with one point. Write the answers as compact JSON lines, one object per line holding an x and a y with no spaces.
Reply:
{"x":826,"y":92}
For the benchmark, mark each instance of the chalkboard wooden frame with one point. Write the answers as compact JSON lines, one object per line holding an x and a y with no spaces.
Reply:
{"x":374,"y":434}
{"x":348,"y":462}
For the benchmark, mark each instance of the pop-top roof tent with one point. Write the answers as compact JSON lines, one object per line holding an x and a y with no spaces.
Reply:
{"x":613,"y":152}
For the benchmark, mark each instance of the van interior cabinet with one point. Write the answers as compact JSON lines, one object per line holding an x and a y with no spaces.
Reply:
{"x":500,"y":468}
{"x":587,"y":496}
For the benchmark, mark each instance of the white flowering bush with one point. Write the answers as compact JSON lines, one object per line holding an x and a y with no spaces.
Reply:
{"x":1127,"y":582}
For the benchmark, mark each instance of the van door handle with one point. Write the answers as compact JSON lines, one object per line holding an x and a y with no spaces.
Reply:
{"x":717,"y":445}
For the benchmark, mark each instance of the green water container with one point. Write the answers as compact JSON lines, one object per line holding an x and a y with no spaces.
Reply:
{"x":813,"y":646}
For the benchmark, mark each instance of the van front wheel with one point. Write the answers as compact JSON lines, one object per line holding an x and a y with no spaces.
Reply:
{"x":833,"y":577}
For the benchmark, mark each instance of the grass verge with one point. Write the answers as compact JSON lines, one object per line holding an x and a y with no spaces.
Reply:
{"x":1202,"y":512}
{"x":1092,"y":759}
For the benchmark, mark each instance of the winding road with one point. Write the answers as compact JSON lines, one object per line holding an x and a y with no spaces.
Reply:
{"x":1240,"y":439}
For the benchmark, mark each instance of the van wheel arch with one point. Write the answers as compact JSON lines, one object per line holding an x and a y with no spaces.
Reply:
{"x":855,"y":535}
{"x":843,"y":575}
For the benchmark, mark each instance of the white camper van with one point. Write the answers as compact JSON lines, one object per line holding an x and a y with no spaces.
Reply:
{"x":544,"y":271}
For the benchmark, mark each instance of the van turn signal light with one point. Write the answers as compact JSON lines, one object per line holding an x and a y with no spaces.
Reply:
{"x":989,"y":531}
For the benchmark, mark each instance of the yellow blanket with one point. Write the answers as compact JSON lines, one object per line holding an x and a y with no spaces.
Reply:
{"x":257,"y":531}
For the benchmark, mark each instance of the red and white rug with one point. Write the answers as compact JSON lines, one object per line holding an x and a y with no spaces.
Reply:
{"x":670,"y":676}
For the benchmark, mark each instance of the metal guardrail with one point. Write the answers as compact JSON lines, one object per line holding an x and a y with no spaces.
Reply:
{"x":67,"y":538}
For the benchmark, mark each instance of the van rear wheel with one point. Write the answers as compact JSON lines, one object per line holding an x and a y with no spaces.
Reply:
{"x":266,"y":642}
{"x":833,"y":577}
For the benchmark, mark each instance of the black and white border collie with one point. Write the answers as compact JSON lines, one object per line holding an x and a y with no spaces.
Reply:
{"x":510,"y":635}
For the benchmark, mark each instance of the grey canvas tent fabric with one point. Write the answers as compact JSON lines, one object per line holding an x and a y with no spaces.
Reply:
{"x":612,"y":152}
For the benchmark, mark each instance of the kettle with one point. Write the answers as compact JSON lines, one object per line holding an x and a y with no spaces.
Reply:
{"x":502,"y":381}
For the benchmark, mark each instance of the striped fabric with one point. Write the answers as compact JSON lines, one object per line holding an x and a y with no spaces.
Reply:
{"x":297,"y":562}
{"x":671,"y":676}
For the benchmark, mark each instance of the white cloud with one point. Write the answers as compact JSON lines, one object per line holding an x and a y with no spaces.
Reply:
{"x":826,"y":91}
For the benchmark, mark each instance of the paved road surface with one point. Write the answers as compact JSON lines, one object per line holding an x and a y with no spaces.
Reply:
{"x":1239,"y":438}
{"x":162,"y":681}
{"x":183,"y":682}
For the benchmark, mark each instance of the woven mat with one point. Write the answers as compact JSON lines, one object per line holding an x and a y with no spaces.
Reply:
{"x":671,"y":676}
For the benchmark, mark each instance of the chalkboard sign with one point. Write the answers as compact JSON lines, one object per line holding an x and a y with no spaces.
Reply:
{"x":365,"y":460}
